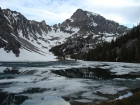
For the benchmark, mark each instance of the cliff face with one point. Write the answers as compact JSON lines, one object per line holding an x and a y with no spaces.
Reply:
{"x":14,"y":27}
{"x":7,"y":40}
{"x":89,"y":22}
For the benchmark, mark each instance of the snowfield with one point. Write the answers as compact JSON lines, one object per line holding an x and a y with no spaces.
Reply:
{"x":37,"y":50}
{"x":26,"y":56}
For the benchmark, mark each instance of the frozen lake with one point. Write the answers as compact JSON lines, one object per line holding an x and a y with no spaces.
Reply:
{"x":65,"y":82}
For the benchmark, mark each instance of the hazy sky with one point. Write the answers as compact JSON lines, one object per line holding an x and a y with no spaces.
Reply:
{"x":126,"y":12}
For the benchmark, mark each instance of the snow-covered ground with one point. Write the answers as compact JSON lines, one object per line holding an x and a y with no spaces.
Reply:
{"x":59,"y":86}
{"x":37,"y":50}
{"x":26,"y":56}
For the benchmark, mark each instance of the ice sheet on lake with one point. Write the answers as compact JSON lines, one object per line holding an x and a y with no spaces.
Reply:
{"x":44,"y":80}
{"x":110,"y":89}
{"x":48,"y":100}
{"x":91,"y":96}
{"x":62,"y":86}
{"x":118,"y":67}
{"x":2,"y":68}
{"x":126,"y":95}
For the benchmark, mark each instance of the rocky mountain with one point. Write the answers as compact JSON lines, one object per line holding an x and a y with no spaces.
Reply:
{"x":29,"y":39}
{"x":89,"y":22}
{"x":93,"y":29}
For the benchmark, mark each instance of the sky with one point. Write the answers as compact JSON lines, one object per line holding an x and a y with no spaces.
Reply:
{"x":125,"y":12}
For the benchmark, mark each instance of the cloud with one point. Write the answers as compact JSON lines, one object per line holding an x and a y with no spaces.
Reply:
{"x":56,"y":11}
{"x":53,"y":11}
{"x":122,"y":11}
{"x":113,"y":3}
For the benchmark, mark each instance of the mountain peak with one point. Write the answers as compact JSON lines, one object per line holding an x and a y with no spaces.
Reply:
{"x":79,"y":14}
{"x":79,"y":10}
{"x":43,"y":22}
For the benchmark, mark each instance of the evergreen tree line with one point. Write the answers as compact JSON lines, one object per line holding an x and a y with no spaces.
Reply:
{"x":125,"y":48}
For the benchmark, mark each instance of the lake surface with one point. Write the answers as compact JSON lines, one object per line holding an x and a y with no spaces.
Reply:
{"x":65,"y":82}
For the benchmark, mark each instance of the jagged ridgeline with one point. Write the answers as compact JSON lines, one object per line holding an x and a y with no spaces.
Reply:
{"x":16,"y":32}
{"x":78,"y":34}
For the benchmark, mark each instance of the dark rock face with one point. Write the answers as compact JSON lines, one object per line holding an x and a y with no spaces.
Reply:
{"x":14,"y":25}
{"x":7,"y":41}
{"x":95,"y":23}
{"x":19,"y":22}
{"x":80,"y":18}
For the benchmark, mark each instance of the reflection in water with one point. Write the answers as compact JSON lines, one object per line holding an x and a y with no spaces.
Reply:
{"x":18,"y":99}
{"x":89,"y":73}
{"x":92,"y":73}
{"x":36,"y":90}
{"x":12,"y":99}
{"x":13,"y":71}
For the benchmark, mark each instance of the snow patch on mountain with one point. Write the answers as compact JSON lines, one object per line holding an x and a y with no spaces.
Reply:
{"x":91,"y":13}
{"x":26,"y":55}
